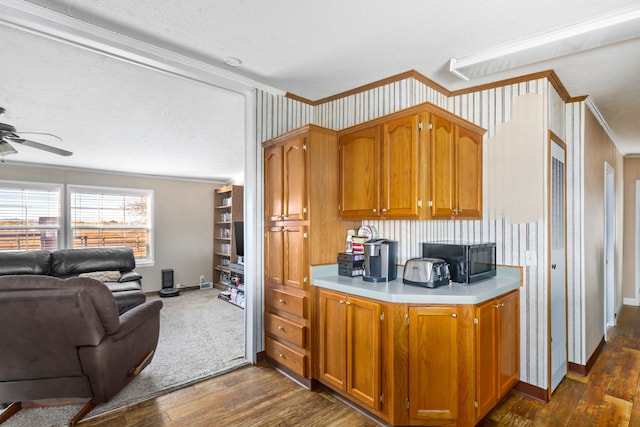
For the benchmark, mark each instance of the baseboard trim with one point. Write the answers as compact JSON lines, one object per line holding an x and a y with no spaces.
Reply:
{"x":583,"y":370}
{"x":630,"y":301}
{"x":532,"y":391}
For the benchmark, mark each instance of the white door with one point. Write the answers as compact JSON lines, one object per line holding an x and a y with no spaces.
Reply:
{"x":609,"y":244}
{"x":558,"y":285}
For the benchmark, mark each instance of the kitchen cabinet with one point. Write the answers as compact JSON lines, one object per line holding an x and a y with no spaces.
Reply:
{"x":379,"y":170}
{"x":350,"y":346}
{"x":285,"y":173}
{"x":456,"y":171}
{"x":497,"y":355}
{"x":433,"y":363}
{"x":302,"y":228}
{"x":430,"y":364}
{"x":286,"y":262}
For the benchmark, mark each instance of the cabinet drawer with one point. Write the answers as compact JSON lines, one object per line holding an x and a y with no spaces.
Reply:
{"x":291,"y":303}
{"x":285,"y":329}
{"x":287,"y":357}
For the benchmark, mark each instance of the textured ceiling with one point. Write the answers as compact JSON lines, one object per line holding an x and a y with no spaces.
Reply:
{"x":171,"y":126}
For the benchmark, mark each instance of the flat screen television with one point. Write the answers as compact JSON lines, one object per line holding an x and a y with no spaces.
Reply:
{"x":238,"y":235}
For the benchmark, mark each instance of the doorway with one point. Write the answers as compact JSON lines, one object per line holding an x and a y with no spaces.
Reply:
{"x":609,"y":251}
{"x":558,"y":259}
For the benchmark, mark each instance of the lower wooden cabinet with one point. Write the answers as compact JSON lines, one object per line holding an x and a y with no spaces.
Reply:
{"x":497,"y":355}
{"x":418,"y":364}
{"x":349,"y":346}
{"x":433,"y":363}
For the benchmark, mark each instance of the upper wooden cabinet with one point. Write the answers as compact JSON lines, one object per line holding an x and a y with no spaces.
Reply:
{"x":379,"y":170}
{"x":285,"y":174}
{"x":418,"y":163}
{"x":456,"y":171}
{"x":360,"y":174}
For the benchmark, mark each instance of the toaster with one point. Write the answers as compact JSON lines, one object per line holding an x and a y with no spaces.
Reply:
{"x":427,"y":272}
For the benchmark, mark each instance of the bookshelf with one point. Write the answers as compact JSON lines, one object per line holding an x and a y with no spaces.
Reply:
{"x":228,"y":208}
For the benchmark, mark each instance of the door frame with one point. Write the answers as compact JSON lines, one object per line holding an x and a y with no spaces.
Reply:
{"x":553,"y":138}
{"x":609,"y":278}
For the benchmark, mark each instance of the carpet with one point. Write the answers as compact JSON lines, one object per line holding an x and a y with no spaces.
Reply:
{"x":201,"y":337}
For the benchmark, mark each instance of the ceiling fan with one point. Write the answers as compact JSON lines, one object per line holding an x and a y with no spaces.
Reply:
{"x":9,"y":136}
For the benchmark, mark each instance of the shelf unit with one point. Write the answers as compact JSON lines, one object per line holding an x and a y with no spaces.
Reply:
{"x":228,"y":208}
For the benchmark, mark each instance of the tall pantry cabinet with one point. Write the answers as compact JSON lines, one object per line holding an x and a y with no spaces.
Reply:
{"x":302,"y":228}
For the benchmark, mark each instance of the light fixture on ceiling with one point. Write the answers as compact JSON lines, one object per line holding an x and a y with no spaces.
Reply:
{"x":234,"y":62}
{"x":601,"y":31}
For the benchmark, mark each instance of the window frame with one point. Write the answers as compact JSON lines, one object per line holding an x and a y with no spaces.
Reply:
{"x":42,"y":186}
{"x":149,"y":260}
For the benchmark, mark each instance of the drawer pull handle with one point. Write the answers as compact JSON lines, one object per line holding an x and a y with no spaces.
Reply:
{"x":281,"y":355}
{"x":282,"y":301}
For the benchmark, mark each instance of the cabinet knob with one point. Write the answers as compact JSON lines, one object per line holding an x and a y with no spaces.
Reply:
{"x":348,"y":303}
{"x":282,"y":301}
{"x":281,"y":355}
{"x":341,"y":302}
{"x":454,"y":315}
{"x":280,"y":328}
{"x":374,"y":210}
{"x":384,"y":210}
{"x":285,"y":217}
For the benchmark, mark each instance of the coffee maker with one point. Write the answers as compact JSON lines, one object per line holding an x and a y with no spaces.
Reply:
{"x":380,"y":259}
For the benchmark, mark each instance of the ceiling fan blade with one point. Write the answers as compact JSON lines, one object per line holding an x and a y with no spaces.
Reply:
{"x":39,"y":133}
{"x":44,"y":147}
{"x":6,"y":148}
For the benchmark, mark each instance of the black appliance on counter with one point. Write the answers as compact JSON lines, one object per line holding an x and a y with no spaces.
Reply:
{"x":468,"y":261}
{"x":380,"y":260}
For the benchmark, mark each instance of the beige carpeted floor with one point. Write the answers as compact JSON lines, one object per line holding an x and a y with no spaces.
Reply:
{"x":201,"y":337}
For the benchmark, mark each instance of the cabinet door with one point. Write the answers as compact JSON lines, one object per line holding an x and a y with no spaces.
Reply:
{"x":442,"y":168}
{"x":294,"y":180}
{"x":486,"y":357}
{"x":509,"y":353}
{"x":273,"y":255}
{"x":400,"y":168}
{"x":333,"y":339}
{"x":359,"y":174}
{"x":433,"y":363}
{"x":295,"y":257}
{"x":469,"y":174}
{"x":273,"y":183}
{"x":363,"y":350}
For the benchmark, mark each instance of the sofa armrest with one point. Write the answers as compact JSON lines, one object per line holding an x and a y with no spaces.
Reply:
{"x":131,"y":319}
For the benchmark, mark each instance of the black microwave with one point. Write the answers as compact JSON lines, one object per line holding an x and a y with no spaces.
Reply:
{"x":468,"y":261}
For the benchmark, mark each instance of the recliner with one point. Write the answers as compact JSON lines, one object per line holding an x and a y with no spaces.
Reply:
{"x":63,"y":339}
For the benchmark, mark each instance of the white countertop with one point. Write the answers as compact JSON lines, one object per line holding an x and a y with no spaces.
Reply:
{"x":507,"y":279}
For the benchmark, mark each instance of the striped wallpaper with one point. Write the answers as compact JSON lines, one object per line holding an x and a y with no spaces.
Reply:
{"x":489,"y":109}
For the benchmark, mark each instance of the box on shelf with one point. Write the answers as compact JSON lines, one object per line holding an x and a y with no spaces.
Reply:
{"x":350,"y":264}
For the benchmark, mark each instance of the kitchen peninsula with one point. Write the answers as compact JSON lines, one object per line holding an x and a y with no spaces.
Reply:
{"x":418,"y":356}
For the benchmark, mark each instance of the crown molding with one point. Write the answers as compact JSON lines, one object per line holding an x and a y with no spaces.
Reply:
{"x":44,"y":22}
{"x":594,"y":109}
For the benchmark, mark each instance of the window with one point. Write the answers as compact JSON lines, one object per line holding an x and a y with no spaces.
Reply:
{"x":29,"y":216}
{"x":111,"y":217}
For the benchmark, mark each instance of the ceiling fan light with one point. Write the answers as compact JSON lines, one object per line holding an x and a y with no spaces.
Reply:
{"x":6,"y":149}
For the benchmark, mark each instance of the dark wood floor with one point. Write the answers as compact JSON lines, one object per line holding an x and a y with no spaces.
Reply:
{"x":260,"y":396}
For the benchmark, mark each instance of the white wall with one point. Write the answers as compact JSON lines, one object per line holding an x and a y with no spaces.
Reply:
{"x":183,"y":218}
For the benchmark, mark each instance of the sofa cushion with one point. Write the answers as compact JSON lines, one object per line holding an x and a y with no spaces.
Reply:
{"x":103,"y":276}
{"x":32,"y":262}
{"x":68,"y":262}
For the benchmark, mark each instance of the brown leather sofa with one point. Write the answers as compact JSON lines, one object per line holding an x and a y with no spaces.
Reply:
{"x":126,"y":286}
{"x":62,"y":340}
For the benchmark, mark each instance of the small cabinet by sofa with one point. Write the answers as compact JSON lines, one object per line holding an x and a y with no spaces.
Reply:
{"x":456,"y":171}
{"x":497,"y":354}
{"x":350,"y":346}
